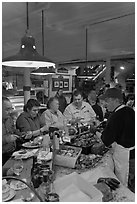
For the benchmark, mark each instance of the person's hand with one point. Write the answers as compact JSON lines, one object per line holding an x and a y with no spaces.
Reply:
{"x":28,"y":135}
{"x":111,"y":182}
{"x":13,"y":137}
{"x":76,"y":120}
{"x":44,"y":128}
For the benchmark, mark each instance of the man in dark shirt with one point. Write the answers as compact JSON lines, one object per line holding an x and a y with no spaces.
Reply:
{"x":62,"y":100}
{"x":120,"y":131}
{"x":92,"y":99}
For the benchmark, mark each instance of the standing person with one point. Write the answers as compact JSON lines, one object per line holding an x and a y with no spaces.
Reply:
{"x":29,"y":120}
{"x":120,"y":131}
{"x":119,"y":86}
{"x":62,"y":100}
{"x":8,"y":131}
{"x":79,"y":111}
{"x":131,"y":101}
{"x":92,"y":99}
{"x":102,"y":104}
{"x":41,"y":97}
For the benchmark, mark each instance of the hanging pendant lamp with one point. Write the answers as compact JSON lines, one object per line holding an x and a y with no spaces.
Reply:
{"x":85,"y":71}
{"x":28,"y":55}
{"x":42,"y":71}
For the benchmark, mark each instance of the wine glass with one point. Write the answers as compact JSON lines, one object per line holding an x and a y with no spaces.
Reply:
{"x":17,"y":165}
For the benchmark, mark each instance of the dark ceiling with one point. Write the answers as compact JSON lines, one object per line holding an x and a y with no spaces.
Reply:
{"x":111,"y":28}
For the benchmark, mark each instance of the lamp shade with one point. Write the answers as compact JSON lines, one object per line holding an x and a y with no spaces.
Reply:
{"x":27,"y":56}
{"x":41,"y":71}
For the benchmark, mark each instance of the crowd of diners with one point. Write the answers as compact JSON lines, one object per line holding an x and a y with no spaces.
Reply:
{"x":119,"y":132}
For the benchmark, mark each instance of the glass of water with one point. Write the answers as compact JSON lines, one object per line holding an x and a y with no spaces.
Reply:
{"x":17,"y":165}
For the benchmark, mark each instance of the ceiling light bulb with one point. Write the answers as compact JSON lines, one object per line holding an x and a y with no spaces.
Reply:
{"x":122,"y":67}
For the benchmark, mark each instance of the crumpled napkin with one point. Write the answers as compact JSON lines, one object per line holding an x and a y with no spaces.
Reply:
{"x":29,"y":153}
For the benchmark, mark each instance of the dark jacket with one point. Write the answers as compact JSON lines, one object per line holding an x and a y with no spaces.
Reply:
{"x":120,"y":128}
{"x":62,"y":102}
{"x":98,"y":111}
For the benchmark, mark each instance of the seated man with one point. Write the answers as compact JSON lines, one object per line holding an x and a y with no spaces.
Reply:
{"x":8,"y":136}
{"x":79,"y":111}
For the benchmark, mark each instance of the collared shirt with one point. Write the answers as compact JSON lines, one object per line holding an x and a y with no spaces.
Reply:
{"x":86,"y":112}
{"x":52,"y":119}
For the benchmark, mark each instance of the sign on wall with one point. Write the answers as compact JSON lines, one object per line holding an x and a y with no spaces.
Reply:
{"x":60,"y":83}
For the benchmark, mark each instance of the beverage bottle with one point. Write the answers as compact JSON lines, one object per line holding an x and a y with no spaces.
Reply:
{"x":46,"y":143}
{"x":66,"y":127}
{"x":45,"y":185}
{"x":56,"y":141}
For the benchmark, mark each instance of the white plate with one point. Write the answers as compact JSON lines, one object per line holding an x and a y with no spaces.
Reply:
{"x":30,"y":145}
{"x":11,"y":195}
{"x":44,"y":156}
{"x":17,"y":185}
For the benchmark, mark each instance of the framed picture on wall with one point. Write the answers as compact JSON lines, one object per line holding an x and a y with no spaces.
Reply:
{"x":66,"y":84}
{"x":61,"y":84}
{"x":56,"y":84}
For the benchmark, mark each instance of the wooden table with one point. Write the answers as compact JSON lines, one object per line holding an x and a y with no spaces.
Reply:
{"x":104,"y":168}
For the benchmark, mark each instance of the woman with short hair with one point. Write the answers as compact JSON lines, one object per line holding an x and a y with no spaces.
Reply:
{"x":29,"y":120}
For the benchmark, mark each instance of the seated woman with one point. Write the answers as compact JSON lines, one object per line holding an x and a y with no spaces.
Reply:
{"x":52,"y":117}
{"x":29,"y":121}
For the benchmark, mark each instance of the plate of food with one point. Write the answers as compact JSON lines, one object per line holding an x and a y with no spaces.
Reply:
{"x":44,"y":155}
{"x":24,"y":153}
{"x":32,"y":144}
{"x":17,"y":185}
{"x":7,"y":193}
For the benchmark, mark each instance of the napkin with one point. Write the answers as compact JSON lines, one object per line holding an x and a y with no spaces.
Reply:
{"x":28,"y":153}
{"x":73,"y":194}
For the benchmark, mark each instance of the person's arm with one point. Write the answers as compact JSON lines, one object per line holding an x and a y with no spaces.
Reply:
{"x":24,"y":126}
{"x":67,"y":114}
{"x":92,"y":112}
{"x":40,"y":131}
{"x":108,"y":135}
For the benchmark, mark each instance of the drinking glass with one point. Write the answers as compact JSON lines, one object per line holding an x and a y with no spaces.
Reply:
{"x":17,"y":165}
